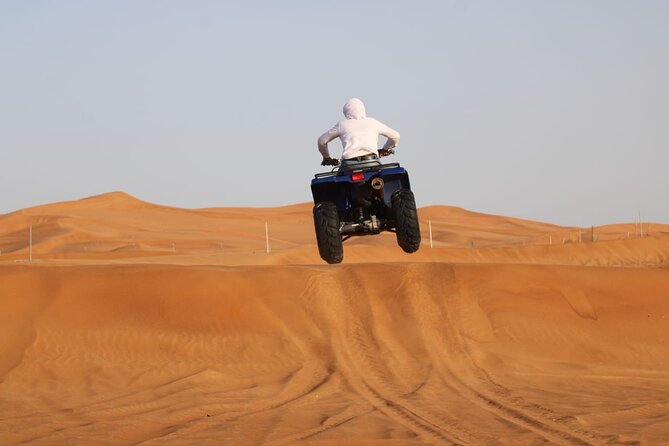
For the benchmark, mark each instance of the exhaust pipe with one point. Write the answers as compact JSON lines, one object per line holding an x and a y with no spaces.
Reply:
{"x":377,"y":186}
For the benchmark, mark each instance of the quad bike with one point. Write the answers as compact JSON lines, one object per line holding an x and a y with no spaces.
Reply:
{"x":363,"y":201}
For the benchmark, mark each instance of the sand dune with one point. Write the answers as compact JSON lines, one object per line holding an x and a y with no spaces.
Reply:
{"x":119,"y":228}
{"x":139,"y":323}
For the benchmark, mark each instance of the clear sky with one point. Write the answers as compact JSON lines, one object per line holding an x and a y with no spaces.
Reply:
{"x":548,"y":110}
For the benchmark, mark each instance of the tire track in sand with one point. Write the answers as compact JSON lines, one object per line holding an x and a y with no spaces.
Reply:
{"x":358,"y":359}
{"x":347,"y":415}
{"x":436,"y":310}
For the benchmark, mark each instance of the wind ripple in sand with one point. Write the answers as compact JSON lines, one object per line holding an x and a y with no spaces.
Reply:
{"x":410,"y":354}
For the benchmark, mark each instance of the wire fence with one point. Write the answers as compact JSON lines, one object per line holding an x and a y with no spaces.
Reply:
{"x":552,"y":238}
{"x":265,"y":238}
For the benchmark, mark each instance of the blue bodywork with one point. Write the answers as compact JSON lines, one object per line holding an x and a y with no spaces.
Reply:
{"x":337,"y":187}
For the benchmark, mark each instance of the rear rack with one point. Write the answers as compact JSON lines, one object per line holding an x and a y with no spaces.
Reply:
{"x":335,"y":173}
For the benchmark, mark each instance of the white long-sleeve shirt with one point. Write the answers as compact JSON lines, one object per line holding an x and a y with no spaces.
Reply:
{"x":359,"y":134}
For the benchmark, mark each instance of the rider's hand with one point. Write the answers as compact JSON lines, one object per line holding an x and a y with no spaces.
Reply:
{"x":330,"y":162}
{"x":386,"y":152}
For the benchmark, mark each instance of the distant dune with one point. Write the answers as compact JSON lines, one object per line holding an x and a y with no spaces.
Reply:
{"x":140,"y":323}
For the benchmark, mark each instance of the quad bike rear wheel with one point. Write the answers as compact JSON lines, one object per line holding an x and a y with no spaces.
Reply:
{"x":326,"y":223}
{"x":406,"y":220}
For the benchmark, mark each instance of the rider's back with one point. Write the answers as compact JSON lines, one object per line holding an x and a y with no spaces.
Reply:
{"x":359,"y":134}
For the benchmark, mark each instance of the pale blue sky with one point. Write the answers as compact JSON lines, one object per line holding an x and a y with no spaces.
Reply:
{"x":548,"y":110}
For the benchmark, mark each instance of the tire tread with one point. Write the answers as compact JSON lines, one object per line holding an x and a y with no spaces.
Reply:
{"x":326,"y":223}
{"x":406,"y":220}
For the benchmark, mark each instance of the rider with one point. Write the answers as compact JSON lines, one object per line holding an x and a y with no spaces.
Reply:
{"x":359,"y":136}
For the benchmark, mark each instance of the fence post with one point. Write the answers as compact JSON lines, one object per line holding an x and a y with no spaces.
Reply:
{"x":266,"y":237}
{"x":30,"y":244}
{"x":429,"y":222}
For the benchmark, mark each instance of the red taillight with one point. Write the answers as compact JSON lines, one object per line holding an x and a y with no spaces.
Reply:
{"x":358,"y":176}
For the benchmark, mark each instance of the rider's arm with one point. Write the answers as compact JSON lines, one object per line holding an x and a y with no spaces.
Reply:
{"x":392,"y":135}
{"x":326,"y":138}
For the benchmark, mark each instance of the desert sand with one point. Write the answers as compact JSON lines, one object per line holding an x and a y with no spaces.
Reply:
{"x":144,"y":324}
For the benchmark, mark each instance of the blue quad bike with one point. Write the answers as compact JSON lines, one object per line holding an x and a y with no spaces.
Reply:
{"x":364,"y":201}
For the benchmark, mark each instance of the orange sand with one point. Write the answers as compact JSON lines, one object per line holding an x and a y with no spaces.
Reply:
{"x":139,"y":323}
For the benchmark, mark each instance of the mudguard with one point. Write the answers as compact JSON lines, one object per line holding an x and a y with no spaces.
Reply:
{"x":333,"y":186}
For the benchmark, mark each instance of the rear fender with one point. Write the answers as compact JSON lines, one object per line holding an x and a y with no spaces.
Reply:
{"x":336,"y":188}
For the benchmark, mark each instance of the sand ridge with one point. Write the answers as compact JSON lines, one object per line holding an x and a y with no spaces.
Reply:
{"x":514,"y":341}
{"x":117,"y":227}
